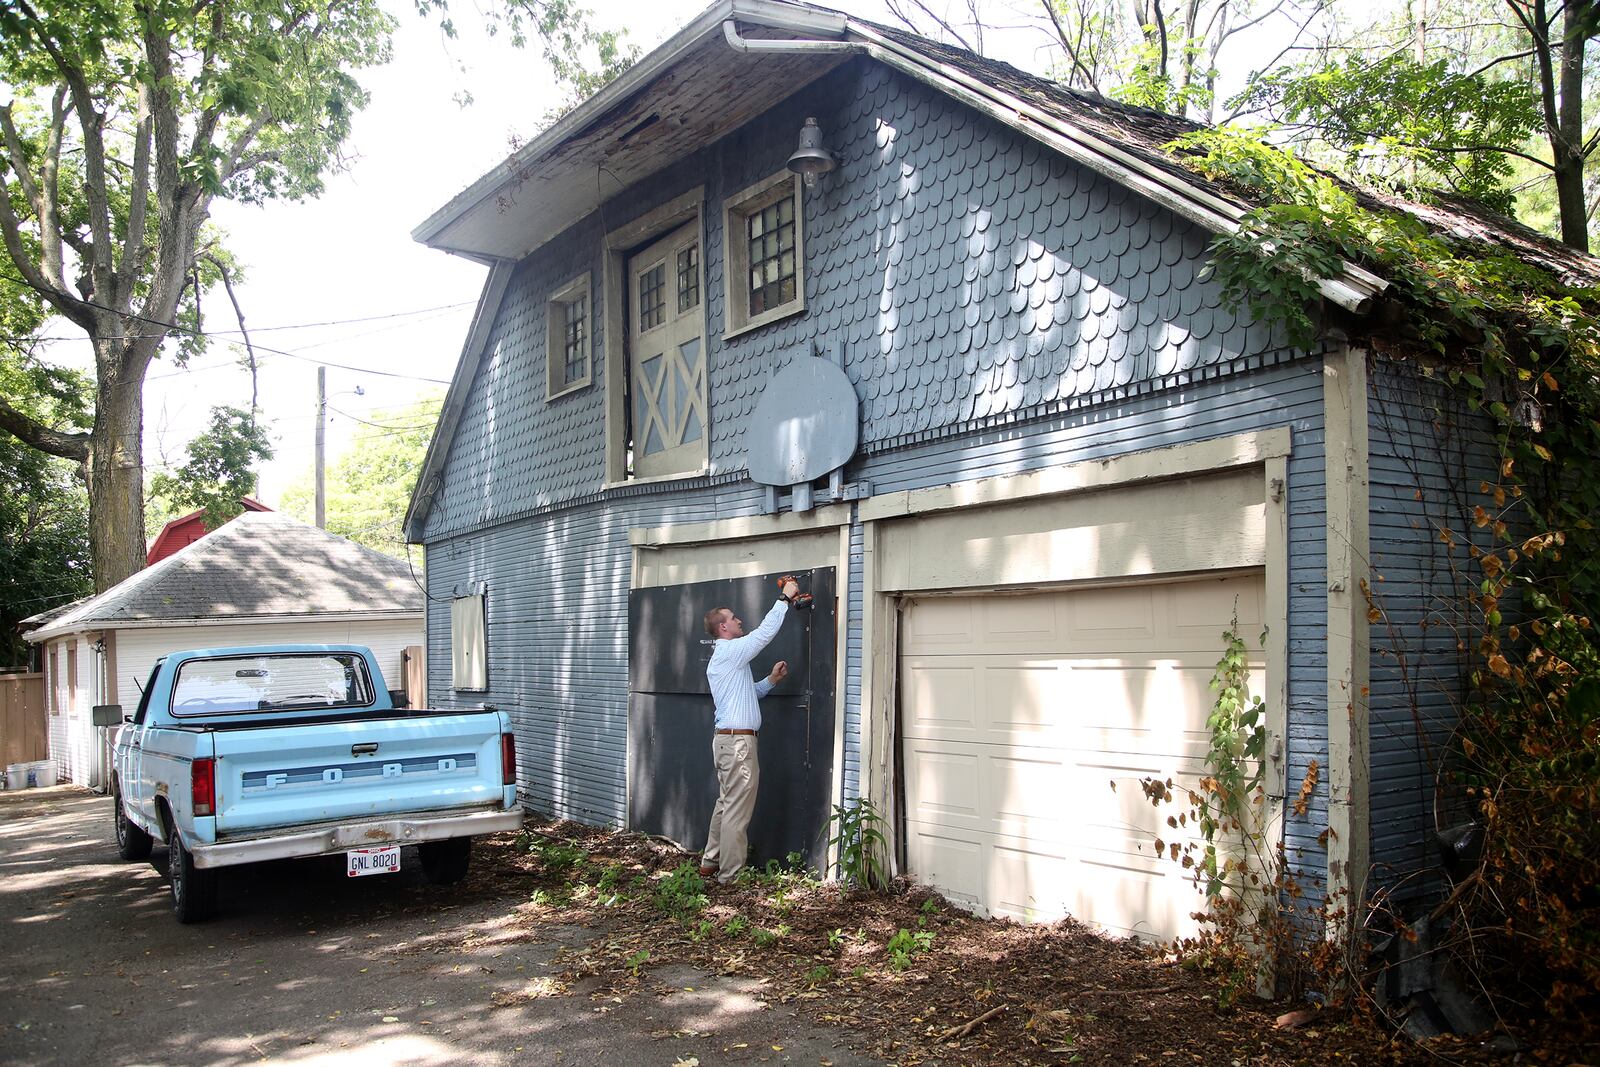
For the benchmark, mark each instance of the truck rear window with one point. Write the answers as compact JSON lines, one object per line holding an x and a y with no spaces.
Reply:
{"x":300,"y":681}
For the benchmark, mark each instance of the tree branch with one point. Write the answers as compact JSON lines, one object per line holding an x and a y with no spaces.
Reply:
{"x":57,"y":295}
{"x":1066,"y":45}
{"x":91,"y":122}
{"x":138,"y":204}
{"x":36,"y":434}
{"x":238,"y":313}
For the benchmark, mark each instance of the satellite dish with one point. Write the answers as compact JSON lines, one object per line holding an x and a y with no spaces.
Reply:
{"x":805,"y":425}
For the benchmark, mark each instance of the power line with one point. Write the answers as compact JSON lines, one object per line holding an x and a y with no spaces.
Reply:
{"x":173,"y":327}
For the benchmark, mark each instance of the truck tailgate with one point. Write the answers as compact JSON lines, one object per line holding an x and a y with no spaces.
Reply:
{"x":274,"y":777}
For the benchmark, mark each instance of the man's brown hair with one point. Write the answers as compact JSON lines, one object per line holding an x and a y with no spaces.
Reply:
{"x":714,"y":618}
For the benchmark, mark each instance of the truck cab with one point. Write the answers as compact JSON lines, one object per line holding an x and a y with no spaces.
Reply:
{"x":240,"y":755}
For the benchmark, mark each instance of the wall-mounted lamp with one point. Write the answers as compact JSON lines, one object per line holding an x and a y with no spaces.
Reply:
{"x":811,"y":159}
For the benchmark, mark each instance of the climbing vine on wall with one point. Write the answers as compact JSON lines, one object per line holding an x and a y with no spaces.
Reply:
{"x":1520,"y":347}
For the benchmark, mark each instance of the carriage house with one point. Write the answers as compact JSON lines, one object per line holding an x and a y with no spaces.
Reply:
{"x":957,"y":362}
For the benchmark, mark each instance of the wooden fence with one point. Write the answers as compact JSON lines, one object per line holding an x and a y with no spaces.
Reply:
{"x":24,"y":734}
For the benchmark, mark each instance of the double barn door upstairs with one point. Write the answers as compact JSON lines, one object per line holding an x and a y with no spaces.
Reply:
{"x":667,"y":371}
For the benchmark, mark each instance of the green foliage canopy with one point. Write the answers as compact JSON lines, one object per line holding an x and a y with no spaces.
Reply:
{"x":219,"y":472}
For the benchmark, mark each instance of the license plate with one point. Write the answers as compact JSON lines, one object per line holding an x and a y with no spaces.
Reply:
{"x":364,"y":861}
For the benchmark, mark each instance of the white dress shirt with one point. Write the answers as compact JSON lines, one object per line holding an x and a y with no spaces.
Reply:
{"x":733,"y":690}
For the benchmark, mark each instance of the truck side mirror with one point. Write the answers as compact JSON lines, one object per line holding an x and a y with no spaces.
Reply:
{"x":398,"y":698}
{"x":107,"y":714}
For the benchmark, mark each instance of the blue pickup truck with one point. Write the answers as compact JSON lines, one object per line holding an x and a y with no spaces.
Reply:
{"x":239,"y":755}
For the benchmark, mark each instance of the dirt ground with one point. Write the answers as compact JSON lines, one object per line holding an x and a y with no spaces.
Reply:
{"x":963,"y":990}
{"x":572,"y":945}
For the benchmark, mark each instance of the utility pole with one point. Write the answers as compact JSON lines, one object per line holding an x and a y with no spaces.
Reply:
{"x":322,"y":419}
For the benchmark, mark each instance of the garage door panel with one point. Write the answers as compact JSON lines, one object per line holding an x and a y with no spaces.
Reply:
{"x":1014,"y":752}
{"x":1018,"y":624}
{"x":943,"y":784}
{"x":956,"y":863}
{"x":941,"y":625}
{"x":1198,"y":611}
{"x":942,"y":698}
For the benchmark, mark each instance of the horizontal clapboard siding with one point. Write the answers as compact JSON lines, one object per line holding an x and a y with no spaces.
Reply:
{"x":1428,"y":457}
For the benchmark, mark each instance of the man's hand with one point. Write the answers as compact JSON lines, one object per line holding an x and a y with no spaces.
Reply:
{"x":791,"y":589}
{"x":780,"y":671}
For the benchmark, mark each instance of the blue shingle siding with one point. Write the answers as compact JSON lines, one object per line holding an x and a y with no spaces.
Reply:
{"x":999,"y":310}
{"x":1428,"y":456}
{"x":968,"y":275}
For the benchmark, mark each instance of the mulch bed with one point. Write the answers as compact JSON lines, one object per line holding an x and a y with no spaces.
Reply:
{"x":965,"y":991}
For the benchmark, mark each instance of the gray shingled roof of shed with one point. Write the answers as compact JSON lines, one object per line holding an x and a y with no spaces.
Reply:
{"x":261,"y":565}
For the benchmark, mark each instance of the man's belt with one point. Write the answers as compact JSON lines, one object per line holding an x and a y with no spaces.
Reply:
{"x":748,"y":733}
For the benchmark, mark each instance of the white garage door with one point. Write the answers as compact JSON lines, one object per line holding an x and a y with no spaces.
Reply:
{"x":1018,"y":712}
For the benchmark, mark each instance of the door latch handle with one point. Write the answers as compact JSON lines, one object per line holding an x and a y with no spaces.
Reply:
{"x":366,"y":748}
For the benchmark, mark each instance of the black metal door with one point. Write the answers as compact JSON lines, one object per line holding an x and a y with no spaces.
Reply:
{"x":672,"y":783}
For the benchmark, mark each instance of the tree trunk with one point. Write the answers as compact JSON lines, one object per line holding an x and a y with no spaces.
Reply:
{"x":115,"y":473}
{"x":1566,"y":141}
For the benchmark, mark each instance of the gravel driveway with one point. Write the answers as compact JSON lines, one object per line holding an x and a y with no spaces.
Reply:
{"x":306,"y":966}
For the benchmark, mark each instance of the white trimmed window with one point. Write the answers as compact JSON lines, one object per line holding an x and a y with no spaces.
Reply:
{"x":765,"y":253}
{"x":469,"y":661}
{"x":570,"y":338}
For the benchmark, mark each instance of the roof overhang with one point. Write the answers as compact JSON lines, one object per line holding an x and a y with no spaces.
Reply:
{"x":78,"y":626}
{"x":688,"y":93}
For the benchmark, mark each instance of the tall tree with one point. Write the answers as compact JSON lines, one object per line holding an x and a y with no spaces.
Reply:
{"x":1457,"y":94}
{"x":129,"y":119}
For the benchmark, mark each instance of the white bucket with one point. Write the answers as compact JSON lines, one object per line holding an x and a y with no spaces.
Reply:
{"x":17,"y":776}
{"x":42,"y":773}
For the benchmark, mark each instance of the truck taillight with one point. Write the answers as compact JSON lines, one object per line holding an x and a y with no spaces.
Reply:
{"x":203,"y":786}
{"x":508,"y":759}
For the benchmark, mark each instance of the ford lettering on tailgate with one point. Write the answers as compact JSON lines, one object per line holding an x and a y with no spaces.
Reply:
{"x":412,"y":768}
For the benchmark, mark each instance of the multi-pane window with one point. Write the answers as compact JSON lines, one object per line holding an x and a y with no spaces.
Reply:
{"x":653,"y":297}
{"x":688,"y":277}
{"x":575,"y":328}
{"x":569,"y":339}
{"x":764,"y":231}
{"x":771,"y":236}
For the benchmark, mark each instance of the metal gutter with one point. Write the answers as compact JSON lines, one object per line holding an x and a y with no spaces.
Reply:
{"x":90,"y":625}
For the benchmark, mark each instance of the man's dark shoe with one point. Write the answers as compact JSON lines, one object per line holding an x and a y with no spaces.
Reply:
{"x":707,"y":872}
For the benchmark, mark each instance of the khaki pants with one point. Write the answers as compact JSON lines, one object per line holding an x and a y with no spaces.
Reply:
{"x":738,"y":776}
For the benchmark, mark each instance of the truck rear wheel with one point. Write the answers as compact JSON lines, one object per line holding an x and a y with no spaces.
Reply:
{"x":446,"y":862}
{"x":132,"y":842}
{"x":194,"y":891}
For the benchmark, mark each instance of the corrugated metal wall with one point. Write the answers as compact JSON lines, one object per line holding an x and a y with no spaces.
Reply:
{"x":1428,"y":458}
{"x":999,"y":310}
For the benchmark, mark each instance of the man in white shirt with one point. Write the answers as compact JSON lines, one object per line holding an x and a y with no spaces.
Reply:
{"x":733,"y":746}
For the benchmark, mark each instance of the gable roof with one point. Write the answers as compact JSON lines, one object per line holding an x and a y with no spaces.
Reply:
{"x":261,"y":566}
{"x":740,"y":57}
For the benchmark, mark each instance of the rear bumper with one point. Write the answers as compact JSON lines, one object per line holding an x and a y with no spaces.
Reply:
{"x":404,"y":830}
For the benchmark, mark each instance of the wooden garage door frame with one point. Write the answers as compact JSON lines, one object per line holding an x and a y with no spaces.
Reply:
{"x":1265,"y":453}
{"x":686,"y":553}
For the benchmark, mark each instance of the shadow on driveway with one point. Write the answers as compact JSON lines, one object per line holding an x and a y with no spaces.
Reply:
{"x":305,"y":965}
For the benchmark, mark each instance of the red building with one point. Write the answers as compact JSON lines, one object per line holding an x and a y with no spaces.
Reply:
{"x":185,"y":530}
